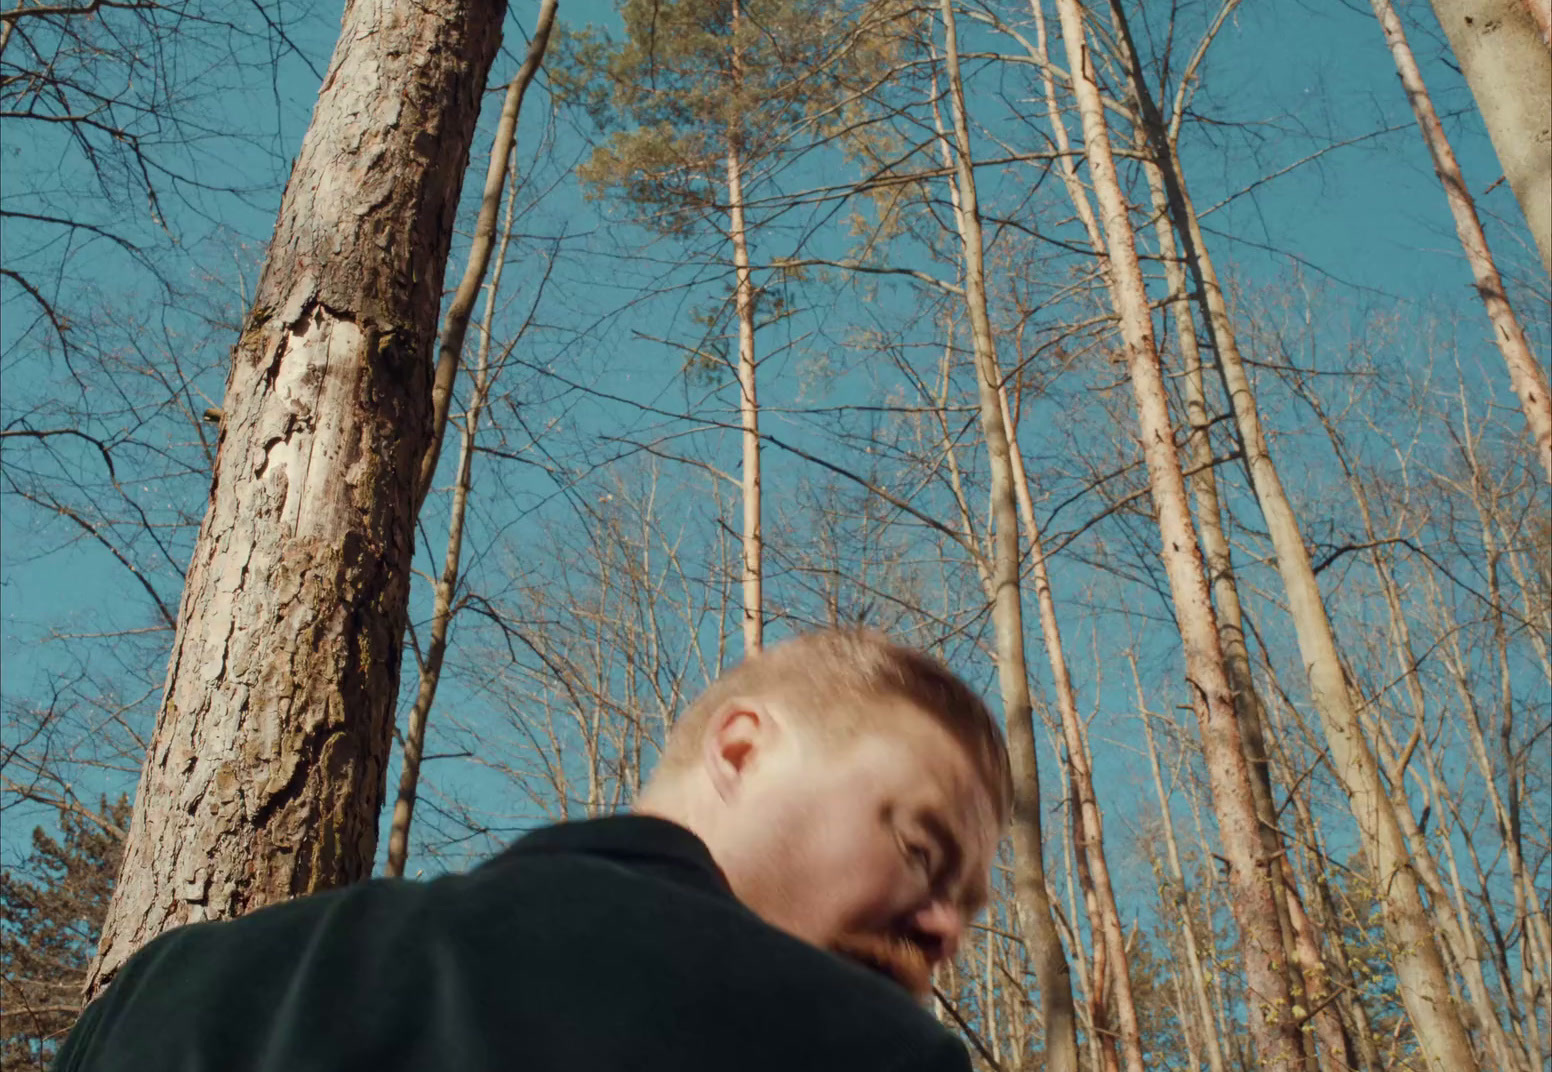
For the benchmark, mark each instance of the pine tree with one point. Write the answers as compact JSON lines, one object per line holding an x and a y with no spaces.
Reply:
{"x":51,"y":909}
{"x":705,"y":98}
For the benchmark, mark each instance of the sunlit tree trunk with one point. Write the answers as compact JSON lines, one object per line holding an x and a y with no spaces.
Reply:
{"x":1349,"y":996}
{"x":748,"y":401}
{"x":1419,"y":967}
{"x":1254,"y":902}
{"x":1051,"y":969}
{"x":1198,"y":975}
{"x":1457,"y":931}
{"x":1526,"y":375}
{"x":1530,"y":919}
{"x":266,"y":770}
{"x":1501,"y":47}
{"x":1301,"y":942}
{"x":1105,"y":921}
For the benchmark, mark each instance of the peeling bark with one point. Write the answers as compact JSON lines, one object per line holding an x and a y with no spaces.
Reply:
{"x":267,"y":767}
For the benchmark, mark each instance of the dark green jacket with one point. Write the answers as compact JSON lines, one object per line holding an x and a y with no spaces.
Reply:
{"x":602,"y":946}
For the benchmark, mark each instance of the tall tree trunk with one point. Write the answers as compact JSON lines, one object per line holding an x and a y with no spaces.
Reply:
{"x":748,"y":401}
{"x":1105,"y":922}
{"x":1458,"y":933}
{"x":1526,"y":375}
{"x":1301,"y":940}
{"x":1051,"y":970}
{"x":1419,"y":968}
{"x":1203,"y":1004}
{"x":1501,"y":50}
{"x":1254,"y":902}
{"x":266,"y":770}
{"x":1349,"y":996}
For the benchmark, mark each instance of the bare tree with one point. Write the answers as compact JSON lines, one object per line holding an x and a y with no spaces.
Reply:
{"x":1526,"y":375}
{"x":1254,"y":904}
{"x":1418,"y":962}
{"x":449,"y":360}
{"x":1502,"y":49}
{"x":1003,"y":588}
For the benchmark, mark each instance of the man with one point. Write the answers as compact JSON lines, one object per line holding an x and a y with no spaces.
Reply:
{"x":816,"y":837}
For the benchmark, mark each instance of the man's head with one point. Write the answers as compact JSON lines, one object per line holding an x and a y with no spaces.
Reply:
{"x":852,"y":790}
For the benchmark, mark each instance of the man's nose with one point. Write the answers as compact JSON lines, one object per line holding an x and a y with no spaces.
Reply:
{"x":942,"y":924}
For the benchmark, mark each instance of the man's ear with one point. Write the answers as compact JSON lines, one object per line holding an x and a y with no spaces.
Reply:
{"x":737,"y":739}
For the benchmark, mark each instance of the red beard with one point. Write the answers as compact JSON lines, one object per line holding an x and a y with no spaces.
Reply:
{"x":897,"y":958}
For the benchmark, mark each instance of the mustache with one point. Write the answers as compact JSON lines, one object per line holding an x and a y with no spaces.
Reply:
{"x":897,"y":958}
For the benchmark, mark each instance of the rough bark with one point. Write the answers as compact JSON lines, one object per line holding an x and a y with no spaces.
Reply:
{"x":1526,"y":375}
{"x":1501,"y":50}
{"x":1051,"y":969}
{"x":1253,"y":903}
{"x":266,"y":770}
{"x":1419,"y":968}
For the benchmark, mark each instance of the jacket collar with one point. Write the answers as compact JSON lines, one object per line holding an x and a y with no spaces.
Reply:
{"x":640,"y":841}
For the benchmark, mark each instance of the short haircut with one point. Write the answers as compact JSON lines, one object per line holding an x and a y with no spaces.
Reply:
{"x":834,"y":680}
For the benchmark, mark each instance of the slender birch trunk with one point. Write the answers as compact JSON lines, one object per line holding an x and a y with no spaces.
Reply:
{"x":753,"y":546}
{"x":1530,"y":916}
{"x":1083,"y":965}
{"x":1106,"y":920}
{"x":1180,"y":898}
{"x":1457,"y":932}
{"x":1254,"y":902}
{"x":454,"y":329}
{"x":1051,"y":969}
{"x":1501,"y":46}
{"x":1419,"y":968}
{"x":1067,"y":163}
{"x":267,"y":767}
{"x":1301,"y":939}
{"x":1526,"y":375}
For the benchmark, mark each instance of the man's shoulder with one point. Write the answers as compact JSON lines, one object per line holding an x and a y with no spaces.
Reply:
{"x":691,"y":953}
{"x":753,"y":965}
